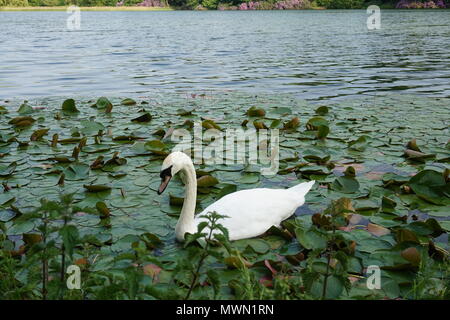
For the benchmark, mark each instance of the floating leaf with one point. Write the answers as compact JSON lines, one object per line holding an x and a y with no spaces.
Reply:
{"x":21,"y":227}
{"x":210,"y":124}
{"x":77,"y":171}
{"x":25,"y":108}
{"x":341,"y":206}
{"x":359,"y":144}
{"x":227,"y":189}
{"x":146,"y":117}
{"x":413,"y":145}
{"x":412,"y":255}
{"x":258,"y":245}
{"x":249,"y":178}
{"x":259,"y":124}
{"x":183,"y":112}
{"x":91,"y":127}
{"x":103,"y":103}
{"x":151,"y":240}
{"x":346,"y":184}
{"x":275,"y":124}
{"x":156,"y":147}
{"x":6,"y":214}
{"x":417,"y":155}
{"x":388,"y":205}
{"x":311,"y":239}
{"x":207,"y":181}
{"x":7,"y":170}
{"x":377,"y":230}
{"x":128,"y":102}
{"x":405,"y":235}
{"x":32,"y":238}
{"x":3,"y":110}
{"x":256,"y":112}
{"x":126,"y":138}
{"x":97,"y":187}
{"x":175,"y":201}
{"x":350,"y":172}
{"x":23,"y":121}
{"x":322,"y":132}
{"x":69,"y":140}
{"x":322,"y":110}
{"x":68,"y":106}
{"x":151,"y":270}
{"x":430,"y":185}
{"x":102,"y":209}
{"x":294,"y":123}
{"x":436,"y":228}
{"x":38,"y":134}
{"x":315,"y":122}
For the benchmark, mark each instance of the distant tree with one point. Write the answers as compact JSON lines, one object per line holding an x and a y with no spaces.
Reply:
{"x":14,"y":3}
{"x":210,"y":4}
{"x":177,"y":3}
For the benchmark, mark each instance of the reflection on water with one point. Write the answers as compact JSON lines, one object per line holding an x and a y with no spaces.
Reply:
{"x":313,"y":54}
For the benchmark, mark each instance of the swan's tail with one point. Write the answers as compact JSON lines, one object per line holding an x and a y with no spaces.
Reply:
{"x":303,"y":188}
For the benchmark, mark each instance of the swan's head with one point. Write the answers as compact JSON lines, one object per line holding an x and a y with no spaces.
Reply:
{"x":172,"y":164}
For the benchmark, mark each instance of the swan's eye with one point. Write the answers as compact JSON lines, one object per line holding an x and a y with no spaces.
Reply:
{"x":166,"y":172}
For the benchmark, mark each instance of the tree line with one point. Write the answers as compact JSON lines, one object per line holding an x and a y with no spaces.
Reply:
{"x":234,"y":4}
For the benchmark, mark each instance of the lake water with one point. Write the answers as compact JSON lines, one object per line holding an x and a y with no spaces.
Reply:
{"x":312,"y":54}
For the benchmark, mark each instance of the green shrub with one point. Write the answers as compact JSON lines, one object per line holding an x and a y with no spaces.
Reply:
{"x":13,"y":3}
{"x":51,"y":3}
{"x":341,"y":4}
{"x":210,"y":4}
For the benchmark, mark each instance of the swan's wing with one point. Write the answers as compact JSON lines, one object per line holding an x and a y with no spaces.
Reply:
{"x":252,"y":212}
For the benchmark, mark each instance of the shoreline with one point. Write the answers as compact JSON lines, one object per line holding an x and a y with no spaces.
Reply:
{"x":102,"y":8}
{"x":138,"y":8}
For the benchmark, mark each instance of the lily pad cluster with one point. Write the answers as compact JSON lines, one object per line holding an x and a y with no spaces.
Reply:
{"x":382,"y":165}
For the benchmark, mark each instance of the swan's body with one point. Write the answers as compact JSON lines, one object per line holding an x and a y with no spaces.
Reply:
{"x":249,"y":213}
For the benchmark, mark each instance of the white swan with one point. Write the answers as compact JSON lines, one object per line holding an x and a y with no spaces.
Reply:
{"x":250,"y":212}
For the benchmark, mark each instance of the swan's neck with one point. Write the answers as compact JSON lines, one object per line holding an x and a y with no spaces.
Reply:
{"x":186,"y":221}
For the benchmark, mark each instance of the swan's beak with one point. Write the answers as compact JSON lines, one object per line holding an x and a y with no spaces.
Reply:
{"x":164,"y":182}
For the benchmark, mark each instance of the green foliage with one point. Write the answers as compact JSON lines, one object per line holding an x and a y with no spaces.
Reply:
{"x":341,"y":4}
{"x":14,"y":3}
{"x":210,"y":4}
{"x":184,"y":4}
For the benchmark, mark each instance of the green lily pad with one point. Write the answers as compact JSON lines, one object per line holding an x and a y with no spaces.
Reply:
{"x":207,"y":181}
{"x":8,"y":170}
{"x":103,"y":103}
{"x":128,"y":102}
{"x":97,"y":187}
{"x":431,"y":186}
{"x":25,"y":108}
{"x":157,"y":147}
{"x":6,"y":214}
{"x":146,"y":117}
{"x":68,"y":106}
{"x":346,"y":184}
{"x":21,"y":228}
{"x":249,"y":178}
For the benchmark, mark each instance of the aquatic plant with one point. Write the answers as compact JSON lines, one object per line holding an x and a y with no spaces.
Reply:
{"x":382,"y":172}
